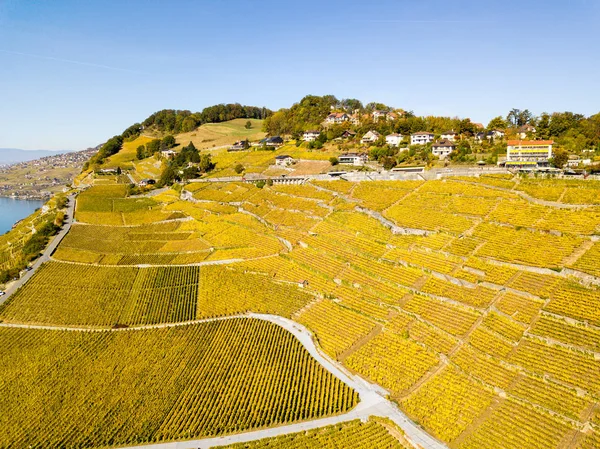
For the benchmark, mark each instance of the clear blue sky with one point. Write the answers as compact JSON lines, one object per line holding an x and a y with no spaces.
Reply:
{"x":75,"y":72}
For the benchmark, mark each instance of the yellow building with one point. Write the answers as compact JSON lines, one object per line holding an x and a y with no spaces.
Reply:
{"x":528,"y":153}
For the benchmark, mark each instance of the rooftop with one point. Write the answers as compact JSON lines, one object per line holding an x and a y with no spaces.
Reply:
{"x":530,"y":142}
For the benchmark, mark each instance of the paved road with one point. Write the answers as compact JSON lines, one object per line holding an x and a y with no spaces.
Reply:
{"x":373,"y":400}
{"x":46,"y":254}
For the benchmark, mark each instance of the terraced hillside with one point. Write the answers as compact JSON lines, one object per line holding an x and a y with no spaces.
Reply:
{"x":473,"y":302}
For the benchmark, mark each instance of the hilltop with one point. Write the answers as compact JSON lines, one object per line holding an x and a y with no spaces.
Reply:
{"x":319,"y":133}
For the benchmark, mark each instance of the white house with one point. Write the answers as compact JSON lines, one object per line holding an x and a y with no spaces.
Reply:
{"x":443,"y":148}
{"x":389,"y":116}
{"x":528,"y":152}
{"x":335,"y":118}
{"x":377,"y":114}
{"x":370,"y":137}
{"x":168,"y":154}
{"x":310,"y":136}
{"x":495,"y":134}
{"x":353,"y":158}
{"x":421,"y":138}
{"x":576,"y":161}
{"x":283,"y":160}
{"x":393,"y":139}
{"x":450,"y":135}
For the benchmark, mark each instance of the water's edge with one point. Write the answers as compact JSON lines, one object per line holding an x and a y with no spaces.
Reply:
{"x":12,"y":210}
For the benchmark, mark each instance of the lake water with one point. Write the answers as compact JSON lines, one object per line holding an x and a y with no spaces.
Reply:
{"x":12,"y":210}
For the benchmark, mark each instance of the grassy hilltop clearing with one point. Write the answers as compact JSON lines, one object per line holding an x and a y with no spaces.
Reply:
{"x":485,"y":329}
{"x":212,"y":135}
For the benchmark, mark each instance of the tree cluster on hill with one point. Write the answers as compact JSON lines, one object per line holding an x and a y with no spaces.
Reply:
{"x":188,"y":164}
{"x":173,"y":121}
{"x":181,"y":121}
{"x":110,"y":147}
{"x":154,"y":146}
{"x":308,"y":113}
{"x":573,"y":132}
{"x":312,"y":110}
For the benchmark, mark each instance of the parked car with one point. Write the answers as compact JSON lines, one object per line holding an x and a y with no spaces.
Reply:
{"x":2,"y":293}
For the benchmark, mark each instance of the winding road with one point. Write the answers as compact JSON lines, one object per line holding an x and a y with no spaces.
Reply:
{"x":45,"y":257}
{"x":373,"y":400}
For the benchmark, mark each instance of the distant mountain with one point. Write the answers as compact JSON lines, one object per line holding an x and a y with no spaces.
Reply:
{"x":14,"y":155}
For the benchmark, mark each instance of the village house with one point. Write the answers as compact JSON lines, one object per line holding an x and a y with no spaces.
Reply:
{"x":389,"y":116}
{"x":274,"y":141}
{"x":528,"y":153}
{"x":421,"y":138}
{"x":495,"y":134}
{"x":240,"y":145}
{"x":168,"y":154}
{"x":525,"y":130}
{"x":355,"y":119}
{"x":370,"y":137}
{"x":443,"y":148}
{"x":393,"y":139}
{"x":353,"y":158}
{"x":336,"y":118}
{"x":147,"y":182}
{"x":348,"y":134}
{"x":283,"y":160}
{"x":575,"y":161}
{"x":310,"y":136}
{"x":450,"y":135}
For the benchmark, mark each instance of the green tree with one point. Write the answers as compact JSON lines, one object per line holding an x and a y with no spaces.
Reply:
{"x":518,"y":117}
{"x":153,"y":147}
{"x":334,"y":160}
{"x":496,"y":123}
{"x":190,"y":172}
{"x":559,"y":158}
{"x":542,"y":126}
{"x":167,"y":177}
{"x":248,"y":124}
{"x":168,"y":141}
{"x":206,"y":164}
{"x":140,"y":152}
{"x":239,"y":168}
{"x":388,"y":162}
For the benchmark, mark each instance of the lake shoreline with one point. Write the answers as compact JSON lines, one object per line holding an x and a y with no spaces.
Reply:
{"x":16,"y":209}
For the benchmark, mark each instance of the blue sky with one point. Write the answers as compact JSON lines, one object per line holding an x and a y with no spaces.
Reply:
{"x":73,"y":73}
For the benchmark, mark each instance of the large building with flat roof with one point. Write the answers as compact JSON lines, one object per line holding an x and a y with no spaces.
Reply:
{"x":528,"y":153}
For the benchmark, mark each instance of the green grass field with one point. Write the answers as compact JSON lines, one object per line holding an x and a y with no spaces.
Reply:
{"x":218,"y":134}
